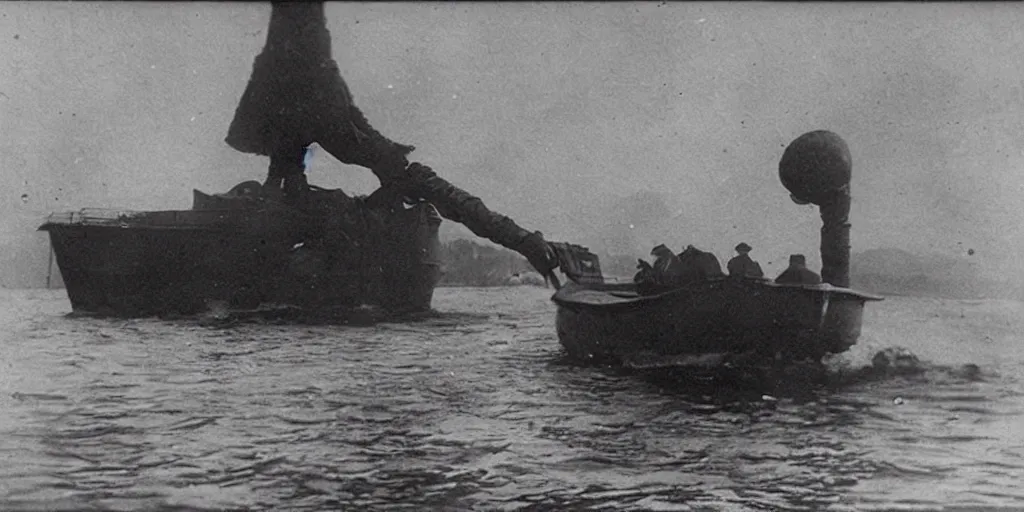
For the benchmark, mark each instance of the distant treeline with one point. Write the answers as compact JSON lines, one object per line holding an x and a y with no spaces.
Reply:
{"x":898,"y":272}
{"x":952,"y":287}
{"x":894,"y":272}
{"x":467,"y":263}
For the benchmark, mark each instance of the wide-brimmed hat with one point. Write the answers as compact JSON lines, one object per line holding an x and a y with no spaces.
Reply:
{"x":743,"y":247}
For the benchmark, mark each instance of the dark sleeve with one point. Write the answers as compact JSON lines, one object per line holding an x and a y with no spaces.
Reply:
{"x":460,"y":206}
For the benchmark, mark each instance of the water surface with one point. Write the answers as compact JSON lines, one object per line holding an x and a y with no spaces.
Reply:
{"x":476,"y":410}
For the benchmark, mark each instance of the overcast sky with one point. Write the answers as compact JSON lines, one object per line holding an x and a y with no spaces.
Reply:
{"x":551,"y":111}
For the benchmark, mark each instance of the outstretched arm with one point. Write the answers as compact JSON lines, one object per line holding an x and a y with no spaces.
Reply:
{"x":419,"y":181}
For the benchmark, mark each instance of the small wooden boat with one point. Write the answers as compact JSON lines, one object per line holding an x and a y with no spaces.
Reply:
{"x":612,"y":324}
{"x":711,"y":321}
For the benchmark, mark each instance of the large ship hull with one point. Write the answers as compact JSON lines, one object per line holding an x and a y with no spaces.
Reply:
{"x":248,"y":255}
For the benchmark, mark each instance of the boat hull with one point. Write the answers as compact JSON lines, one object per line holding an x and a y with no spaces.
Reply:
{"x":610,"y":324}
{"x":156,"y":263}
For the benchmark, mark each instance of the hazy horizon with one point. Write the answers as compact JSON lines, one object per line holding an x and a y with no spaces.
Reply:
{"x":551,"y":113}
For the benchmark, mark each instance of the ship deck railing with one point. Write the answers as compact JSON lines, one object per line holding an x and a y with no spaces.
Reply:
{"x":167,"y":219}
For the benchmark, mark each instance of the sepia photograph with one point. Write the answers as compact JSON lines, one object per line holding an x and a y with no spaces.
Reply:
{"x":511,"y":256}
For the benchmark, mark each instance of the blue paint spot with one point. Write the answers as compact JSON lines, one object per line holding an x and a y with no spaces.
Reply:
{"x":307,"y":160}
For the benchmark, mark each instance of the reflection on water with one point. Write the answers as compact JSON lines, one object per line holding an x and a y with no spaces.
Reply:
{"x":476,"y":410}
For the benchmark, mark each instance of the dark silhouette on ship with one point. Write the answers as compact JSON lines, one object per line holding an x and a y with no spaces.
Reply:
{"x":284,"y":242}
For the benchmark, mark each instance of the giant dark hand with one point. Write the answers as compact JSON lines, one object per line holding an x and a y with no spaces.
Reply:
{"x":539,"y":253}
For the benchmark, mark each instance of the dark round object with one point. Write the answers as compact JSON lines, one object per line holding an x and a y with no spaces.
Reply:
{"x":815,"y":164}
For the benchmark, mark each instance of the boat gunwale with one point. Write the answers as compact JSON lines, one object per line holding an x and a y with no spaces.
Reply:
{"x":564,"y":296}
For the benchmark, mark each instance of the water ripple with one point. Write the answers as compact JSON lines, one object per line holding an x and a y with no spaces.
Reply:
{"x":475,"y":409}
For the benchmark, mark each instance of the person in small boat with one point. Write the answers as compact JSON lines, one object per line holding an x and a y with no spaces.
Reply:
{"x":646,"y":284}
{"x":699,"y":265}
{"x":668,"y":269}
{"x":798,"y":273}
{"x":742,"y":265}
{"x":645,"y":272}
